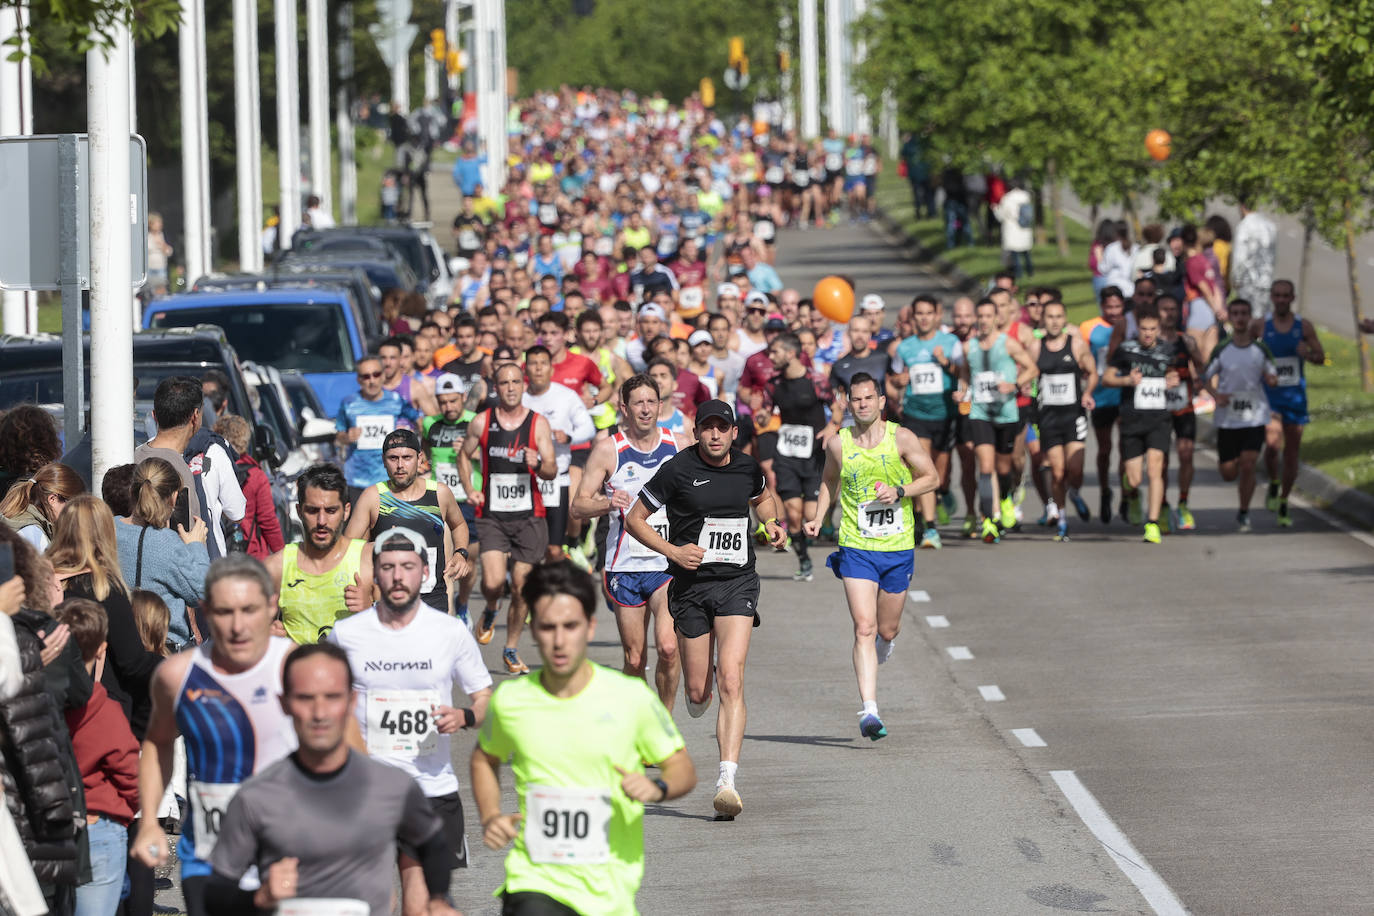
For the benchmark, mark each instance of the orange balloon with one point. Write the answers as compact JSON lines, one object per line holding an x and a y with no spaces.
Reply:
{"x":1157,"y":144}
{"x":835,"y":298}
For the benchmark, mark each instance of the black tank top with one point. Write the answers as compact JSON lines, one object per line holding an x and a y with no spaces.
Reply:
{"x":509,"y":487}
{"x":424,"y":518}
{"x":1060,"y":362}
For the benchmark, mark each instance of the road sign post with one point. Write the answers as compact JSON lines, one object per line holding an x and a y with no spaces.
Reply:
{"x":72,"y":182}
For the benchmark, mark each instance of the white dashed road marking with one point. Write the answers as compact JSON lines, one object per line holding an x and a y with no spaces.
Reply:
{"x":937,"y":621}
{"x":919,"y":595}
{"x":1028,"y":737}
{"x":992,"y":693}
{"x":959,"y":653}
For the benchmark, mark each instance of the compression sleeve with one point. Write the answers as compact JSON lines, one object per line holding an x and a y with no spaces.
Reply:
{"x":435,"y":859}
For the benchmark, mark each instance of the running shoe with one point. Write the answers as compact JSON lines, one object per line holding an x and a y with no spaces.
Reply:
{"x":486,"y":629}
{"x":1051,"y":513}
{"x":970,"y":529}
{"x":931,"y":539}
{"x":1062,"y":533}
{"x":1104,"y":508}
{"x":761,"y":533}
{"x":1044,"y":518}
{"x":513,"y":663}
{"x":990,"y":533}
{"x":1018,"y":495}
{"x":1008,"y":514}
{"x":1243,"y":522}
{"x":871,"y":727}
{"x":1080,"y":506}
{"x":461,"y":612}
{"x":1166,"y":517}
{"x":941,"y":513}
{"x":727,"y":801}
{"x":1285,"y":520}
{"x":1204,"y":403}
{"x":577,"y":557}
{"x":883,"y":648}
{"x":1152,"y":533}
{"x":1186,"y":522}
{"x":803,"y":573}
{"x":697,"y":710}
{"x":1271,"y":499}
{"x":945,"y":502}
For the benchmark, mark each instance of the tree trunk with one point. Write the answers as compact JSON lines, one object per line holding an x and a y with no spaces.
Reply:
{"x":1128,"y":201}
{"x":1061,"y":238}
{"x":1361,"y":341}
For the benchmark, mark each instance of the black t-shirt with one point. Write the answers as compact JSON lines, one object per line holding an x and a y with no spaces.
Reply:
{"x":798,"y":403}
{"x":1146,"y":404}
{"x":876,"y":363}
{"x":472,"y":232}
{"x":693,"y":492}
{"x":465,"y":371}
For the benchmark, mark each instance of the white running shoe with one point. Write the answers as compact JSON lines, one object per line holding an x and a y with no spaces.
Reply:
{"x":884,"y":647}
{"x":697,"y":710}
{"x":727,"y":801}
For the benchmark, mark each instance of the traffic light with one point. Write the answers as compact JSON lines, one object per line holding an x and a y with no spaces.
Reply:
{"x":438,"y":43}
{"x":736,"y":50}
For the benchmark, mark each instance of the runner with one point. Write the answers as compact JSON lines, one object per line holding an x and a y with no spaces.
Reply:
{"x":1068,"y":376}
{"x":927,"y":369}
{"x":798,"y":464}
{"x":964,"y":325}
{"x":322,"y":579}
{"x":398,"y":377}
{"x":1236,"y":376}
{"x":577,"y":736}
{"x":1144,"y":369}
{"x":1188,"y":363}
{"x":443,"y":436}
{"x":421,"y":504}
{"x":636,"y":577}
{"x":297,"y":820}
{"x":715,"y":591}
{"x":1107,"y":410}
{"x":1292,"y":342}
{"x":571,"y":426}
{"x":364,"y":420}
{"x":994,"y":369}
{"x":405,"y":663}
{"x":876,"y":467}
{"x":516,"y":451}
{"x":221,"y":697}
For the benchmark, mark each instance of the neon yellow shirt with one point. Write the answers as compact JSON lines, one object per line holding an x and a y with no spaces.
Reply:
{"x":860,"y":469}
{"x":575,"y":744}
{"x":311,"y":604}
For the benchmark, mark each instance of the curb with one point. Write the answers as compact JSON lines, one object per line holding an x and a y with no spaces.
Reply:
{"x":1354,"y":506}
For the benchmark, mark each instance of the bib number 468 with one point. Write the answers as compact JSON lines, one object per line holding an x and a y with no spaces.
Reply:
{"x":405,"y":722}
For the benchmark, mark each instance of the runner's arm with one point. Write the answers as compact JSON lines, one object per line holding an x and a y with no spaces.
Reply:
{"x":776,"y":535}
{"x":457,"y":566}
{"x":830,"y":485}
{"x":1023,"y":361}
{"x":543,"y":441}
{"x":422,"y":391}
{"x":363,"y":514}
{"x":497,"y":829}
{"x":637,"y":523}
{"x":155,"y":760}
{"x":1315,"y":353}
{"x":924,"y":476}
{"x":471,"y":442}
{"x":591,"y":501}
{"x":1083,"y":355}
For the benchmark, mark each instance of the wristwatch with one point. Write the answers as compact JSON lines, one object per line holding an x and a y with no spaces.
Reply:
{"x":461,"y":550}
{"x":662,"y":787}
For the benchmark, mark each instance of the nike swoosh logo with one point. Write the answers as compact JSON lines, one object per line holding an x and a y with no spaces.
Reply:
{"x":697,"y":483}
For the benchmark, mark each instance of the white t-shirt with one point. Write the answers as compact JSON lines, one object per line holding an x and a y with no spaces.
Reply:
{"x":392,"y":672}
{"x":566,"y":413}
{"x":223,"y":495}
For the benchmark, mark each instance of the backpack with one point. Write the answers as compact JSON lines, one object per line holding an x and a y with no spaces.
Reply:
{"x":199,"y":463}
{"x":1025,"y":215}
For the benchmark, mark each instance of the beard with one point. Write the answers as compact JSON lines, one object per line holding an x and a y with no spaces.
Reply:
{"x":405,"y":604}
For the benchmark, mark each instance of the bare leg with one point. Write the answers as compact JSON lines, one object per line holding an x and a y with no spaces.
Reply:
{"x":733,"y":634}
{"x":515,"y":617}
{"x":668,"y":670}
{"x":1154,"y":460}
{"x":633,"y":624}
{"x":862,"y":595}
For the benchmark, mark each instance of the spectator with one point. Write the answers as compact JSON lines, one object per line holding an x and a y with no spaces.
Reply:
{"x":1115,"y":262}
{"x":176,"y":410}
{"x":260,"y":526}
{"x":316,"y":217}
{"x":18,"y":886}
{"x":1016,"y":212}
{"x":1253,"y":252}
{"x":114,"y":489}
{"x":1152,"y":237}
{"x":28,"y":440}
{"x":1221,"y":246}
{"x":31,"y":506}
{"x":107,"y":756}
{"x":171,"y":563}
{"x":158,"y":253}
{"x":151,"y":617}
{"x":86,"y":558}
{"x":214,"y":388}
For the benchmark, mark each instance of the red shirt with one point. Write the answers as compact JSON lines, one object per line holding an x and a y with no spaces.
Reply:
{"x":577,"y":372}
{"x":759,"y":374}
{"x":690,"y":393}
{"x":107,"y":756}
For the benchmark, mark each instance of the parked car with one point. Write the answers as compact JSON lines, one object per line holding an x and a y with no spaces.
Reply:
{"x":415,"y":244}
{"x":385,"y":273}
{"x":365,"y":294}
{"x":315,"y":331}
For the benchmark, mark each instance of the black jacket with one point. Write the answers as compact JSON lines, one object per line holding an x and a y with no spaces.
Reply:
{"x":35,"y":760}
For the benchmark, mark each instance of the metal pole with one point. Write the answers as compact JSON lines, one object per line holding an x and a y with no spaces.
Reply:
{"x":502,"y":97}
{"x":348,"y":162}
{"x":836,"y":68}
{"x":73,"y":187}
{"x":255,"y":147}
{"x":15,"y":311}
{"x":863,"y":123}
{"x":431,"y":75}
{"x":317,"y":58}
{"x":193,"y":219}
{"x":810,"y":71}
{"x":207,"y":231}
{"x":247,"y":137}
{"x":288,"y":122}
{"x":112,"y":369}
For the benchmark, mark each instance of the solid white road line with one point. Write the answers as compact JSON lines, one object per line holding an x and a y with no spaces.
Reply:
{"x":1132,"y":864}
{"x":992,"y":693}
{"x":959,"y":653}
{"x":1028,"y":737}
{"x":919,"y":595}
{"x":936,"y":621}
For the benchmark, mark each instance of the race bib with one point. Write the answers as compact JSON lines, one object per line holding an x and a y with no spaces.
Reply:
{"x":854,"y":167}
{"x":603,"y":246}
{"x":659,"y":522}
{"x":374,"y":431}
{"x":521,"y":258}
{"x":548,"y":214}
{"x":468,"y":240}
{"x":833,"y":161}
{"x":1177,"y":397}
{"x":567,"y":825}
{"x":691,"y":297}
{"x":879,"y":521}
{"x":551,"y":491}
{"x":1289,"y":370}
{"x":1149,"y":395}
{"x":801,"y":179}
{"x":985,"y":389}
{"x":667,"y":244}
{"x":926,"y":379}
{"x":773,"y":174}
{"x":511,"y":493}
{"x":209,"y":801}
{"x":400,"y":723}
{"x":795,"y":441}
{"x":725,"y":540}
{"x":1248,"y":408}
{"x":323,"y":906}
{"x":1057,"y":390}
{"x":764,"y":230}
{"x":447,"y":474}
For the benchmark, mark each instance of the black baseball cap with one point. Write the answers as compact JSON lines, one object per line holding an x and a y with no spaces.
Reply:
{"x":716,"y":408}
{"x":401,"y":438}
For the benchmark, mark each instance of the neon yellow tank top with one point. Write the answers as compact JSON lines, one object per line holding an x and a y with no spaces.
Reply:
{"x":604,"y":416}
{"x":886,"y":528}
{"x":311,"y":604}
{"x":635,"y":238}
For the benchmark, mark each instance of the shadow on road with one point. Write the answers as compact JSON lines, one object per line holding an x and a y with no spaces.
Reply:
{"x":661,"y":811}
{"x":817,"y":740}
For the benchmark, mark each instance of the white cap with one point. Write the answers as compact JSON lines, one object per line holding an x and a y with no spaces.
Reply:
{"x":727,"y":289}
{"x":756,"y":297}
{"x":417,"y":543}
{"x":872,"y":303}
{"x":653,"y":309}
{"x":448,"y":383}
{"x":699,"y":337}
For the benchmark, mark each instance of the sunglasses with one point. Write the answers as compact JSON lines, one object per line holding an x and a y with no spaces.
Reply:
{"x":364,"y":376}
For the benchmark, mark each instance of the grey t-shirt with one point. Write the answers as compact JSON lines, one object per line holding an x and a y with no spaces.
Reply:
{"x":343,"y":828}
{"x":176,"y":461}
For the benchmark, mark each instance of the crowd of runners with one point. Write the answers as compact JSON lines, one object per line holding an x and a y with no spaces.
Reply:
{"x":623,"y":404}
